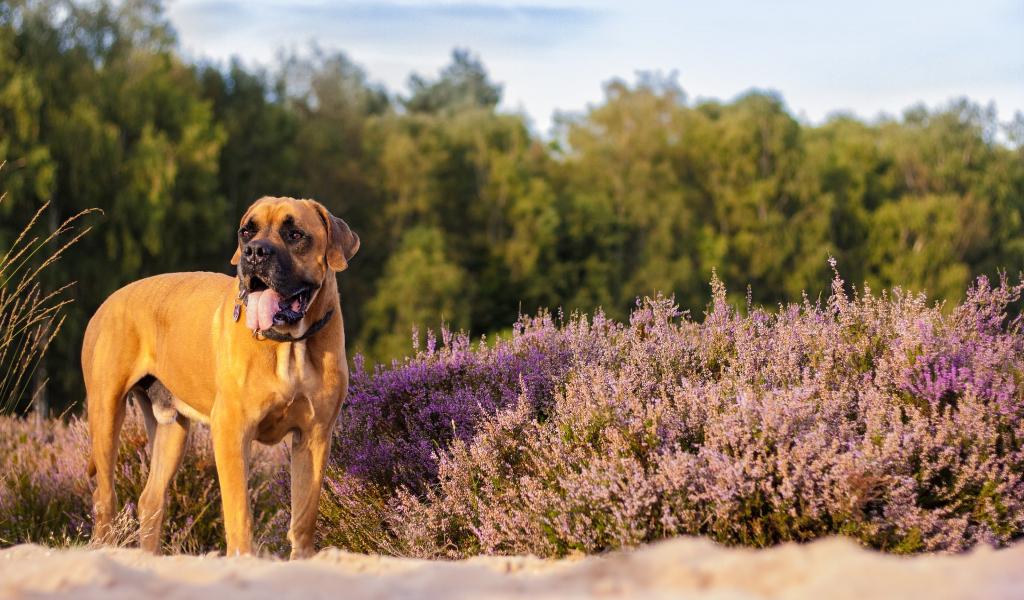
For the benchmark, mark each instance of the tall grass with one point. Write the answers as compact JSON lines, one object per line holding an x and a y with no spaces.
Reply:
{"x":31,"y":315}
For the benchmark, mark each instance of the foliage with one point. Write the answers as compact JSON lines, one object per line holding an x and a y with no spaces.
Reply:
{"x":463,"y":86}
{"x":875,"y":416}
{"x":419,"y":286}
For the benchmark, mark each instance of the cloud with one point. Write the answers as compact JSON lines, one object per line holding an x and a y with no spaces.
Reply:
{"x":554,"y":54}
{"x":385,"y":22}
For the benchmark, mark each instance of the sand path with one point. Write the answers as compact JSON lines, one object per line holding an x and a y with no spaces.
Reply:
{"x":690,"y":568}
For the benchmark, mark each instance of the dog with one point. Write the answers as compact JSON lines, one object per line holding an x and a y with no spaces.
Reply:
{"x":178,"y":344}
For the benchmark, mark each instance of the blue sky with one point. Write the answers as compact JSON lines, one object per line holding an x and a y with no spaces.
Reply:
{"x":869,"y":56}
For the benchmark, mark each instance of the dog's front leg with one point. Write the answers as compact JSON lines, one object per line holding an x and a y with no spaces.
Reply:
{"x":231,"y":444}
{"x":309,"y":460}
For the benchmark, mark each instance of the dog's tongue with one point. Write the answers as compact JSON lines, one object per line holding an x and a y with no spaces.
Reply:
{"x":261,"y":308}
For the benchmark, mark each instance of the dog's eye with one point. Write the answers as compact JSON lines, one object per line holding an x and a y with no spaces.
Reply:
{"x":296,"y":235}
{"x":245,"y":233}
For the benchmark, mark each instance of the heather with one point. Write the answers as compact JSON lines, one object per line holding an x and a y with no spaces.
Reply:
{"x":45,"y":496}
{"x":882,"y":417}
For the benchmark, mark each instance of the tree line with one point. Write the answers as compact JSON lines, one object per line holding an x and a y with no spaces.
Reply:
{"x":467,"y":216}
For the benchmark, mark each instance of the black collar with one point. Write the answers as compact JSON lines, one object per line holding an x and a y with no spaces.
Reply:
{"x":277,"y":336}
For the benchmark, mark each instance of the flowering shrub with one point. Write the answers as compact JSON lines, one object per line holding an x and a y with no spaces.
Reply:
{"x":874,"y":416}
{"x":45,"y":496}
{"x":397,"y":418}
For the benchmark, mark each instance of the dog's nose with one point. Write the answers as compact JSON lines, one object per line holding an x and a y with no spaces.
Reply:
{"x":258,"y":250}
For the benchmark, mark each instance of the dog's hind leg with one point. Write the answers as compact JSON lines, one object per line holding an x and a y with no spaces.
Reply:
{"x":168,"y":446}
{"x":106,"y":408}
{"x":110,"y":369}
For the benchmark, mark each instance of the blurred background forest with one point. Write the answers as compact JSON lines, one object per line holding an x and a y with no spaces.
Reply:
{"x":466,"y":215}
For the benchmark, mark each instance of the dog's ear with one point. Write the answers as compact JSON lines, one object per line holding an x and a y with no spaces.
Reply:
{"x":238,"y":249}
{"x":342,"y":242}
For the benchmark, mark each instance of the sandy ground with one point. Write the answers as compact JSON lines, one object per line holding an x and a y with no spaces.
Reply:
{"x":683,"y":568}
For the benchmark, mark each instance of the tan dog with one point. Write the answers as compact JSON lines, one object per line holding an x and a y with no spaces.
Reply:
{"x":178,"y":343}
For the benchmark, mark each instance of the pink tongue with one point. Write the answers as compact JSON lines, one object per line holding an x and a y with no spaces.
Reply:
{"x":261,"y":308}
{"x":252,"y":320}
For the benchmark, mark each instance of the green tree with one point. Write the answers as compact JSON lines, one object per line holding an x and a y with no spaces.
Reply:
{"x":922,"y":242}
{"x":420,"y":288}
{"x":463,"y":85}
{"x":260,"y":153}
{"x":632,"y":229}
{"x":108,"y":116}
{"x":479,"y":179}
{"x":464,"y":212}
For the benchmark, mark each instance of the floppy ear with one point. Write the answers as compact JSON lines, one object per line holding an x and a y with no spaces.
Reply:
{"x":342,"y":242}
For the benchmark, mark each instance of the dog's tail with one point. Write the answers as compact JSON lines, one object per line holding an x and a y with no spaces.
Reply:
{"x":90,"y":469}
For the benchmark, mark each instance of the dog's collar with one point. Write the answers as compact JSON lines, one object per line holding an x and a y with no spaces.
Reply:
{"x":277,"y":336}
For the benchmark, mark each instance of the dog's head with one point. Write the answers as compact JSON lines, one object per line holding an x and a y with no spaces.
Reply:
{"x":286,"y":250}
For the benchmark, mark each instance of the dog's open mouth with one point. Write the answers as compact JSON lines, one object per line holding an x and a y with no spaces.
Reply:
{"x":266,"y":307}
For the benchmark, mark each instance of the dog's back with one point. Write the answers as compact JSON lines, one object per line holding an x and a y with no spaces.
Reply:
{"x":152,"y":307}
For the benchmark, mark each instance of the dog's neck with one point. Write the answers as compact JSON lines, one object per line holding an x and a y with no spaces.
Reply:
{"x":326,"y":299}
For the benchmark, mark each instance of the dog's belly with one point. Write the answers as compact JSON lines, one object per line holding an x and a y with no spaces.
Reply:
{"x":283,"y":418}
{"x":277,"y":423}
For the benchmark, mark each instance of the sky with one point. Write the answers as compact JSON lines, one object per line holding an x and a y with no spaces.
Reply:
{"x":867,"y":57}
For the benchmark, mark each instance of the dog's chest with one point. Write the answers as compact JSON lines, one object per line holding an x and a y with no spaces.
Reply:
{"x":297,"y":393}
{"x":296,"y":374}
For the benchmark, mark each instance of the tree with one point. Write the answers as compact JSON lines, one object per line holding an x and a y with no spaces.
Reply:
{"x":463,"y":85}
{"x":420,"y":288}
{"x":464,"y":213}
{"x":107,"y":116}
{"x":259,"y":155}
